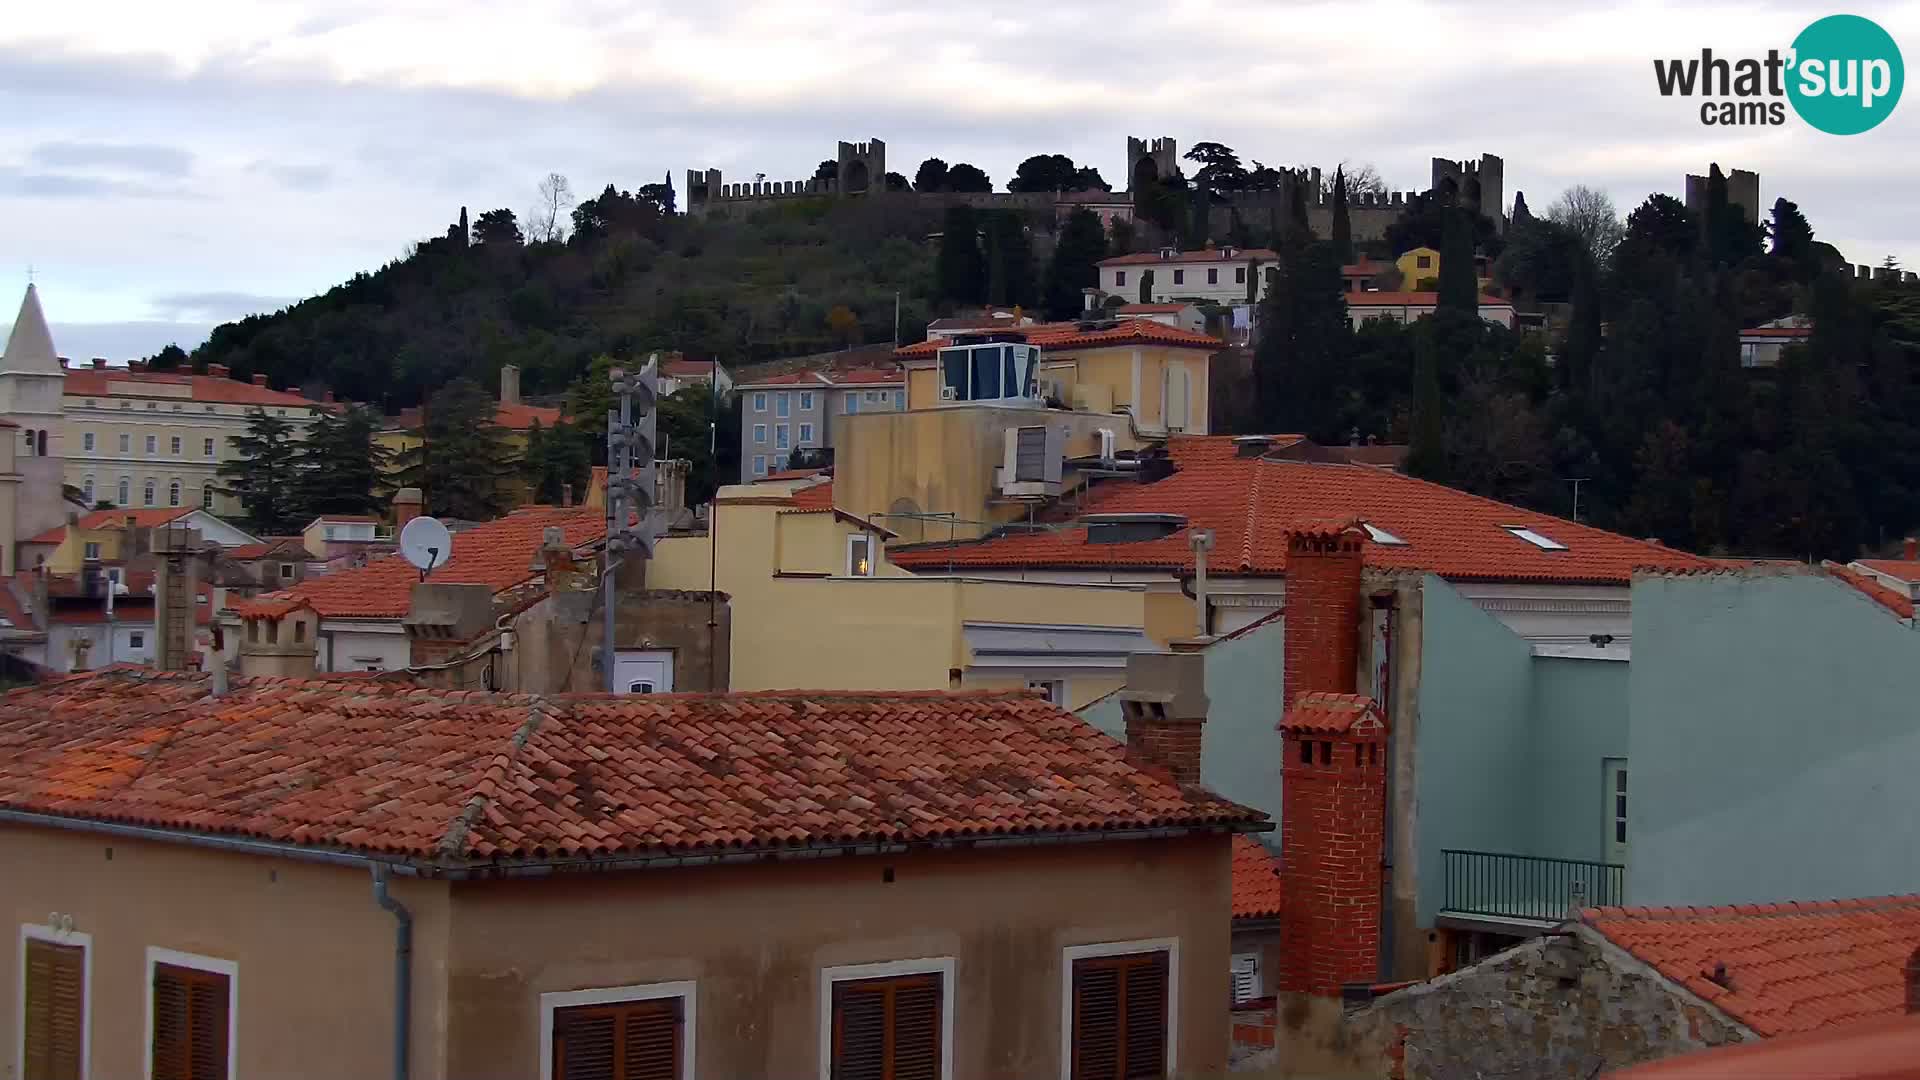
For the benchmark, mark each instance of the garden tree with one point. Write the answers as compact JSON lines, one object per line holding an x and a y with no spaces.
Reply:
{"x":1120,"y":237}
{"x":1304,"y":341}
{"x":1220,"y":168}
{"x":1495,"y":441}
{"x":960,"y":269}
{"x":1161,"y":201}
{"x":1459,"y":287}
{"x":1420,"y":224}
{"x":498,"y":228}
{"x":931,"y":176}
{"x":1299,"y":229}
{"x":683,"y":427}
{"x":659,"y":196}
{"x":1045,"y":172}
{"x":896,"y":182}
{"x":1362,"y":179}
{"x":1342,"y":224}
{"x":1663,"y":492}
{"x":827,"y":170}
{"x":547,"y":221}
{"x":1589,"y":213}
{"x":170,"y":358}
{"x":965,"y":177}
{"x":263,"y":472}
{"x":1010,"y":275}
{"x":613,"y":212}
{"x":844,"y":324}
{"x":1146,"y":286}
{"x":556,"y":457}
{"x":341,"y":467}
{"x":1076,"y":256}
{"x":1541,"y":259}
{"x":462,"y":455}
{"x":590,"y":397}
{"x":1730,"y":238}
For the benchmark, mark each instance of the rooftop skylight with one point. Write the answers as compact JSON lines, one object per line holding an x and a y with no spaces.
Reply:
{"x":1382,"y":536}
{"x":1544,"y":543}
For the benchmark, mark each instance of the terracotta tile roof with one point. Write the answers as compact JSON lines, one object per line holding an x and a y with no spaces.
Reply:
{"x":13,"y":605}
{"x":791,"y":378}
{"x":204,"y":389}
{"x":868,"y":377}
{"x":521,"y":417}
{"x":1003,"y":320}
{"x":1787,"y":967}
{"x":1411,"y":299}
{"x":1049,"y":336}
{"x":1874,"y":590}
{"x":499,"y":553}
{"x":456,"y":778}
{"x":344,"y":519}
{"x":104,"y":519}
{"x":1249,"y":501}
{"x":287,"y":545}
{"x":687,"y":369}
{"x":817,"y":497}
{"x":1151,"y":309}
{"x":1364,"y":268}
{"x":787,"y":474}
{"x":1903,"y":569}
{"x":864,"y":376}
{"x":1256,"y":880}
{"x":1331,"y":714}
{"x":1887,"y":1048}
{"x":1147,"y":258}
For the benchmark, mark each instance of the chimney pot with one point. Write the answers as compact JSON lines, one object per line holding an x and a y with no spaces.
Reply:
{"x":566,"y":495}
{"x":98,"y":363}
{"x":1321,"y":647}
{"x":1910,"y":550}
{"x":136,"y":365}
{"x":1165,"y":705}
{"x":329,"y":398}
{"x":218,"y":371}
{"x":259,"y":380}
{"x":509,"y":384}
{"x":408,"y":503}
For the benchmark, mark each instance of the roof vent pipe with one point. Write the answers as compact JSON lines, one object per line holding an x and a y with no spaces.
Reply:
{"x":1202,"y":542}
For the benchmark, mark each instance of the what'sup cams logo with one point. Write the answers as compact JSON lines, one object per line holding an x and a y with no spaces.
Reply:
{"x":1843,"y":75}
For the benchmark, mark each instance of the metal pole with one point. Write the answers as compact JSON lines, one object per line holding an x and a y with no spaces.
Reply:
{"x":713,"y":534}
{"x":616,"y":517}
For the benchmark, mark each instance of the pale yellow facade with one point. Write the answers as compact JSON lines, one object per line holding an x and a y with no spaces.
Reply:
{"x":801,"y":620}
{"x":1139,"y":380}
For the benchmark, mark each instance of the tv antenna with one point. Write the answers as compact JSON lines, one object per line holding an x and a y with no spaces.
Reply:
{"x":426,"y":543}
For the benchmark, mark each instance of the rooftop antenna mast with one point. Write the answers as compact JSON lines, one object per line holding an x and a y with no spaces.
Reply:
{"x":631,"y":528}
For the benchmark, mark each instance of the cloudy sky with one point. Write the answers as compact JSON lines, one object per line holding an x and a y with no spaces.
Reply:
{"x":165,"y":167}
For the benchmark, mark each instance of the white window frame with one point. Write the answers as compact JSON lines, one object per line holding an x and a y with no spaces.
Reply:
{"x":873,"y":554}
{"x":153,"y":445}
{"x":206,"y":497}
{"x":806,"y":401}
{"x":54,"y":935}
{"x":1537,"y":539}
{"x":136,"y":639}
{"x":148,"y":491}
{"x":782,"y":403}
{"x":176,"y":445}
{"x":126,"y":443}
{"x":942,"y":966}
{"x":782,"y":439}
{"x":175,"y":492}
{"x":1119,"y":278}
{"x":1170,"y":946}
{"x":1056,"y":689}
{"x":90,"y":551}
{"x":686,"y":991}
{"x":759,"y":464}
{"x":86,"y":490}
{"x":86,"y":441}
{"x":806,"y":435}
{"x":207,"y":447}
{"x":211,"y":965}
{"x":125,"y":491}
{"x":760,"y":401}
{"x":850,"y":404}
{"x":900,"y":399}
{"x":760,"y":434}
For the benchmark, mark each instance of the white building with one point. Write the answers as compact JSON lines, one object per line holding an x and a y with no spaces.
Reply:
{"x":1211,"y":275}
{"x":1408,"y":306}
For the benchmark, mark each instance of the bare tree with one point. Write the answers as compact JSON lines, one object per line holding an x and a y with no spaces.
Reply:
{"x":547,"y":221}
{"x":1362,"y":179}
{"x":1589,"y":213}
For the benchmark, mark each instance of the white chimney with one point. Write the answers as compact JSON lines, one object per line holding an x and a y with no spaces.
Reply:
{"x":510,"y":385}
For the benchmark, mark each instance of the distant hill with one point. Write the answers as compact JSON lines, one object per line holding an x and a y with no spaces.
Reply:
{"x":628,"y":279}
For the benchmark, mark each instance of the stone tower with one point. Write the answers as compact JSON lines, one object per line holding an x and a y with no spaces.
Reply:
{"x":1161,"y":155}
{"x":32,"y":382}
{"x":863,"y":167}
{"x":1480,"y":184}
{"x":1743,"y":191}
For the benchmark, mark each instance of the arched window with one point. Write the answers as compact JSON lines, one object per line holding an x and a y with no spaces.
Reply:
{"x":173,"y":493}
{"x":124,"y":496}
{"x":29,"y":442}
{"x":86,"y":491}
{"x":147,"y":491}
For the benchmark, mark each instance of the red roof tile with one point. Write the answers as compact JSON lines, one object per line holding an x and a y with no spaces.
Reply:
{"x":787,"y":474}
{"x":817,"y":497}
{"x":1256,"y":880}
{"x":1249,"y":502}
{"x":1203,"y":255}
{"x":1903,"y":569}
{"x":1887,"y":1048}
{"x":868,"y":377}
{"x":1874,"y":590}
{"x":1050,"y":336}
{"x":1787,"y":967}
{"x":1321,"y":712}
{"x":456,"y":778}
{"x":499,"y":553}
{"x":104,"y":519}
{"x":1151,"y":309}
{"x":205,"y":389}
{"x":687,"y":369}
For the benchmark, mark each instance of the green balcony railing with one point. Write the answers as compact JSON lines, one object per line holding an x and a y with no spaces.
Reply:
{"x":1497,"y":885}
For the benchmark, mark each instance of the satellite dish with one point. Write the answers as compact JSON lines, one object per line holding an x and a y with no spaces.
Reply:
{"x":426,"y":543}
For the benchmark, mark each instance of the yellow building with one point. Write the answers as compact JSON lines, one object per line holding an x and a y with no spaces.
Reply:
{"x":514,"y":417}
{"x":140,"y":438}
{"x":114,"y":536}
{"x":816,"y":605}
{"x":1420,"y":270}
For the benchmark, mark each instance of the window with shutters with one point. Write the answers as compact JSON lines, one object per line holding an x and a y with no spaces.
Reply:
{"x":887,"y":1021}
{"x":1120,"y":1022}
{"x":191,"y":1022}
{"x":618,"y":1033}
{"x":53,"y":1029}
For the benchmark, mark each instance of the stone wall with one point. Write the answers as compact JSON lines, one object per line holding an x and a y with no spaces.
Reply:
{"x":1562,"y":1005}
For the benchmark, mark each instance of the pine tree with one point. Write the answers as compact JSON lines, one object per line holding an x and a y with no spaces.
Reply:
{"x":341,"y":466}
{"x":555,"y":458}
{"x":1342,"y":224}
{"x":1075,"y":266}
{"x":960,"y":272}
{"x":264,"y":473}
{"x":462,"y":456}
{"x":1459,"y":287}
{"x":1426,"y":452}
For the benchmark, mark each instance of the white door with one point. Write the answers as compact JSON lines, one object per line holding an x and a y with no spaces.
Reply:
{"x":1616,"y":816}
{"x":643,"y":671}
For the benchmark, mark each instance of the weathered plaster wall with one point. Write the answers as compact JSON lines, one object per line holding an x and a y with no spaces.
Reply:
{"x":1773,"y":720}
{"x":1579,"y":720}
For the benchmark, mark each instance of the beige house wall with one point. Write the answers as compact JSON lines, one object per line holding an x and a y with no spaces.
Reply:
{"x":314,"y":952}
{"x":755,"y":938}
{"x":174,"y":415}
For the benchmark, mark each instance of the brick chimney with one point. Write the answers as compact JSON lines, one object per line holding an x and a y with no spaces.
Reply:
{"x":219,"y":371}
{"x":1165,"y":705}
{"x":1322,"y":612}
{"x":259,"y":380}
{"x":509,"y":385}
{"x":1333,"y":772}
{"x":408,"y":504}
{"x":1910,"y":550}
{"x":1913,"y":980}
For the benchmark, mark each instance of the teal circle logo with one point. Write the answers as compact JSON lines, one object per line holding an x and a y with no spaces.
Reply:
{"x":1846,"y":75}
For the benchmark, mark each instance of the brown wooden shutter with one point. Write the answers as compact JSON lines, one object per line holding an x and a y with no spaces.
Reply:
{"x":627,"y":1040}
{"x":887,"y":1029}
{"x":190,"y":1024}
{"x":1120,"y":1017}
{"x":53,"y":1036}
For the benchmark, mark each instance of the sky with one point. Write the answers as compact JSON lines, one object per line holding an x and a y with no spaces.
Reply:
{"x":167,"y":167}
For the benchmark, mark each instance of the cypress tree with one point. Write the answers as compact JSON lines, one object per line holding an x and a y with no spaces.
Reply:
{"x":1342,"y":226}
{"x":1200,"y":226}
{"x":1459,"y":288}
{"x":1146,"y":286}
{"x":1426,"y":454}
{"x":960,"y":270}
{"x":1075,"y":266}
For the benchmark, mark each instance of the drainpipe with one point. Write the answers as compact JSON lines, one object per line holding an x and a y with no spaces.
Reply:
{"x":1201,"y":540}
{"x":402,"y":970}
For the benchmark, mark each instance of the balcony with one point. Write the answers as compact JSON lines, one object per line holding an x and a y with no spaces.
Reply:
{"x":1526,"y":888}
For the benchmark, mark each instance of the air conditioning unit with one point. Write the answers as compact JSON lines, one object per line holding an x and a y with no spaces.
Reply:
{"x":1031,"y":461}
{"x":948,"y":393}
